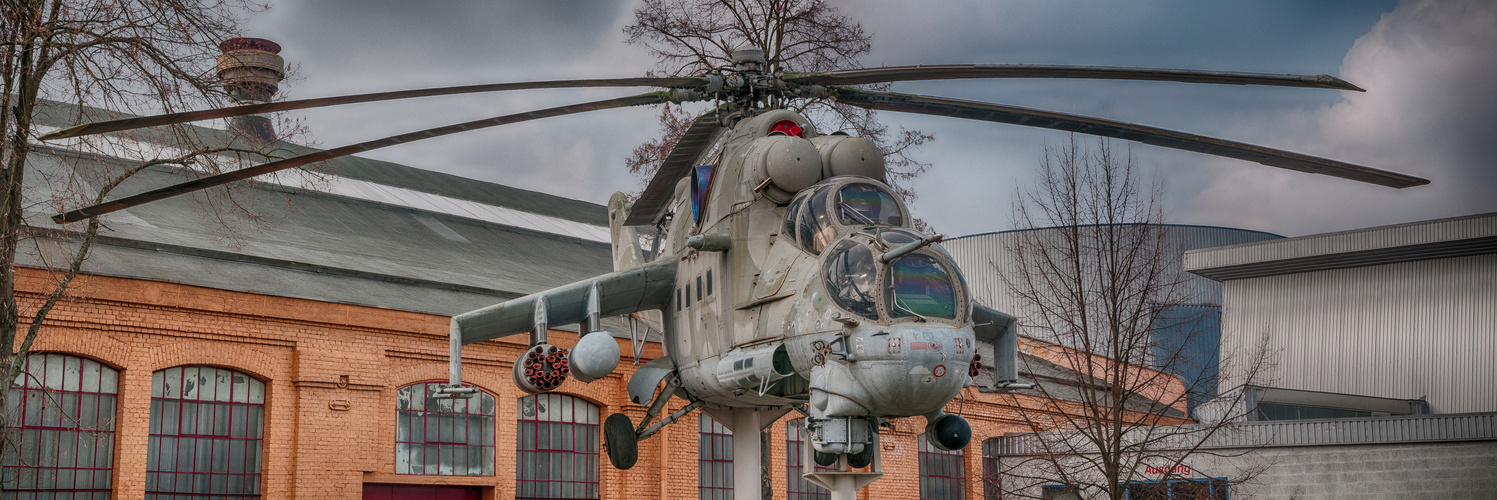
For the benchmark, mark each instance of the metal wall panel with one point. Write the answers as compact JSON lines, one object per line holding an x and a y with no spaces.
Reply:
{"x":1423,"y":329}
{"x":981,"y":256}
{"x":1321,"y":432}
{"x":1361,"y":240}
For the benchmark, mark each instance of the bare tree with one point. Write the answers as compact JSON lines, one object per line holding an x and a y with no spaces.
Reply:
{"x":693,"y":36}
{"x":1101,"y":287}
{"x":70,"y":61}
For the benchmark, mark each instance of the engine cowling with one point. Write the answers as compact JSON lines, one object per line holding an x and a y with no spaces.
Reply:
{"x":542,"y":368}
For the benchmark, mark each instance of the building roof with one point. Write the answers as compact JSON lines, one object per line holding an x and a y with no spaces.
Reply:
{"x":1424,"y":240}
{"x":372,"y":233}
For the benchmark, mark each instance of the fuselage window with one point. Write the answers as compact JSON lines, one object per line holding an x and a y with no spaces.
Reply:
{"x":699,"y":288}
{"x":851,"y":278}
{"x":920,"y":286}
{"x":688,"y":294}
{"x":709,"y":282}
{"x":678,"y":299}
{"x":866,"y":204}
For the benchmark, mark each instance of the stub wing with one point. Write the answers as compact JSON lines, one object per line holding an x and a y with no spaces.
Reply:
{"x":631,"y":290}
{"x":997,"y":340}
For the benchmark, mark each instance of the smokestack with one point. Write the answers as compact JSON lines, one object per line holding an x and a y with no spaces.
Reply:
{"x":251,"y":71}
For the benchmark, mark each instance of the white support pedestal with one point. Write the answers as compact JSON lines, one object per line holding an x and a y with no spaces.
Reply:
{"x":746,"y":424}
{"x":844,"y":482}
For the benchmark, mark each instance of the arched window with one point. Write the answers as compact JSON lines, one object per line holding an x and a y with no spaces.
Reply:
{"x":796,"y":485}
{"x":714,"y":460}
{"x":942,"y":473}
{"x":556,"y":454}
{"x":63,"y":436}
{"x":443,"y":436}
{"x":205,"y":436}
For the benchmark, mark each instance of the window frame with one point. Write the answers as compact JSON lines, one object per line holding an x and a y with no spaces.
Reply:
{"x":714,"y":459}
{"x":938,"y":484}
{"x":249,"y":478}
{"x":569,"y":461}
{"x":55,"y":395}
{"x":411,"y":419}
{"x":796,"y":485}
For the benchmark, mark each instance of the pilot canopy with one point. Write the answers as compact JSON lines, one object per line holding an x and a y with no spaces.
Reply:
{"x":919,"y":286}
{"x":819,"y":214}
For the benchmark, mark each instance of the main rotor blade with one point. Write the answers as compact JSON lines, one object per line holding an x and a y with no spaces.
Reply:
{"x":252,"y":109}
{"x":652,"y":202}
{"x":960,"y":71}
{"x":941,"y":106}
{"x":245,"y":173}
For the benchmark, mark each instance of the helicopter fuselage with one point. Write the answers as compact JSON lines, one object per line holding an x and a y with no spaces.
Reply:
{"x":795,"y":303}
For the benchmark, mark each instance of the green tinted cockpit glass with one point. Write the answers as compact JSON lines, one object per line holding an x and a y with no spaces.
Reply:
{"x":852,"y":278}
{"x":920,"y":286}
{"x":867,"y":204}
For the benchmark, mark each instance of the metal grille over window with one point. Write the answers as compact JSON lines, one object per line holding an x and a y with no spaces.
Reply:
{"x":205,"y":435}
{"x":942,"y":473}
{"x":796,"y":485}
{"x":63,"y":439}
{"x":714,"y":460}
{"x":557,"y":448}
{"x":443,"y":437}
{"x":1179,"y":489}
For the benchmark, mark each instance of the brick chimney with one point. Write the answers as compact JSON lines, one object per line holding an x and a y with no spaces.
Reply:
{"x":251,"y":70}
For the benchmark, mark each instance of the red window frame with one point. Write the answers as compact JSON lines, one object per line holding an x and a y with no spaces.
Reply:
{"x":714,"y":460}
{"x":556,"y":448}
{"x":242,"y":403}
{"x":427,"y":426}
{"x":796,"y":485}
{"x":50,"y":402}
{"x":942,"y":473}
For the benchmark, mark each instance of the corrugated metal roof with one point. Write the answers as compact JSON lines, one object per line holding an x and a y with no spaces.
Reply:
{"x":331,"y":247}
{"x":1433,"y":239}
{"x":1318,"y":432}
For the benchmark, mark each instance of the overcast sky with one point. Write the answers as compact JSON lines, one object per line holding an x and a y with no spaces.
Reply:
{"x":1430,"y":68}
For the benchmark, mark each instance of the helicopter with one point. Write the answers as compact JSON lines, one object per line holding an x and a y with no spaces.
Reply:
{"x":785,"y":274}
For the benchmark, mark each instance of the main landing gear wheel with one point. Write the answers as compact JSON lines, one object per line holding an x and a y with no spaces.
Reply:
{"x":824,"y":459}
{"x":622,"y":442}
{"x":860,"y":460}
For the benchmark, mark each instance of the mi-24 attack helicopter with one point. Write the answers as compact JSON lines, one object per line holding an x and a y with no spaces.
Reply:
{"x":786,"y":272}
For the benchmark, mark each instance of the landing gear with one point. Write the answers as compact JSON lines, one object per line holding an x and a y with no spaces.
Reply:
{"x":824,"y":459}
{"x":621,"y":440}
{"x":860,"y":460}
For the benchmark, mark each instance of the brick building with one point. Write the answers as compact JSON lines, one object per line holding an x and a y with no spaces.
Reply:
{"x":292,"y":361}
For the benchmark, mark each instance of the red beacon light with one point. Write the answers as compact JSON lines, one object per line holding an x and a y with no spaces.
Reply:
{"x":787,"y":127}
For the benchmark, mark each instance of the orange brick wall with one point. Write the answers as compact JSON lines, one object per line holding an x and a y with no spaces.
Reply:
{"x":331,"y":373}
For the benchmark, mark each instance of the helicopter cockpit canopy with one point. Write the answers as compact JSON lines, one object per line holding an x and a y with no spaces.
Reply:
{"x":816,"y":215}
{"x":920,"y":286}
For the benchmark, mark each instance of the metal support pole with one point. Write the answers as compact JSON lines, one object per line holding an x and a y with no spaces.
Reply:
{"x":454,"y":354}
{"x":746,"y":453}
{"x":844,"y":488}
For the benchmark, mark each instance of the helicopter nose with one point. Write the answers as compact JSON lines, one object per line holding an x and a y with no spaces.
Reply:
{"x":894,"y":371}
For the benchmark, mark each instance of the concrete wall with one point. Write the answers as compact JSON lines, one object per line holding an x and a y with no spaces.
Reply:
{"x":1366,"y":471}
